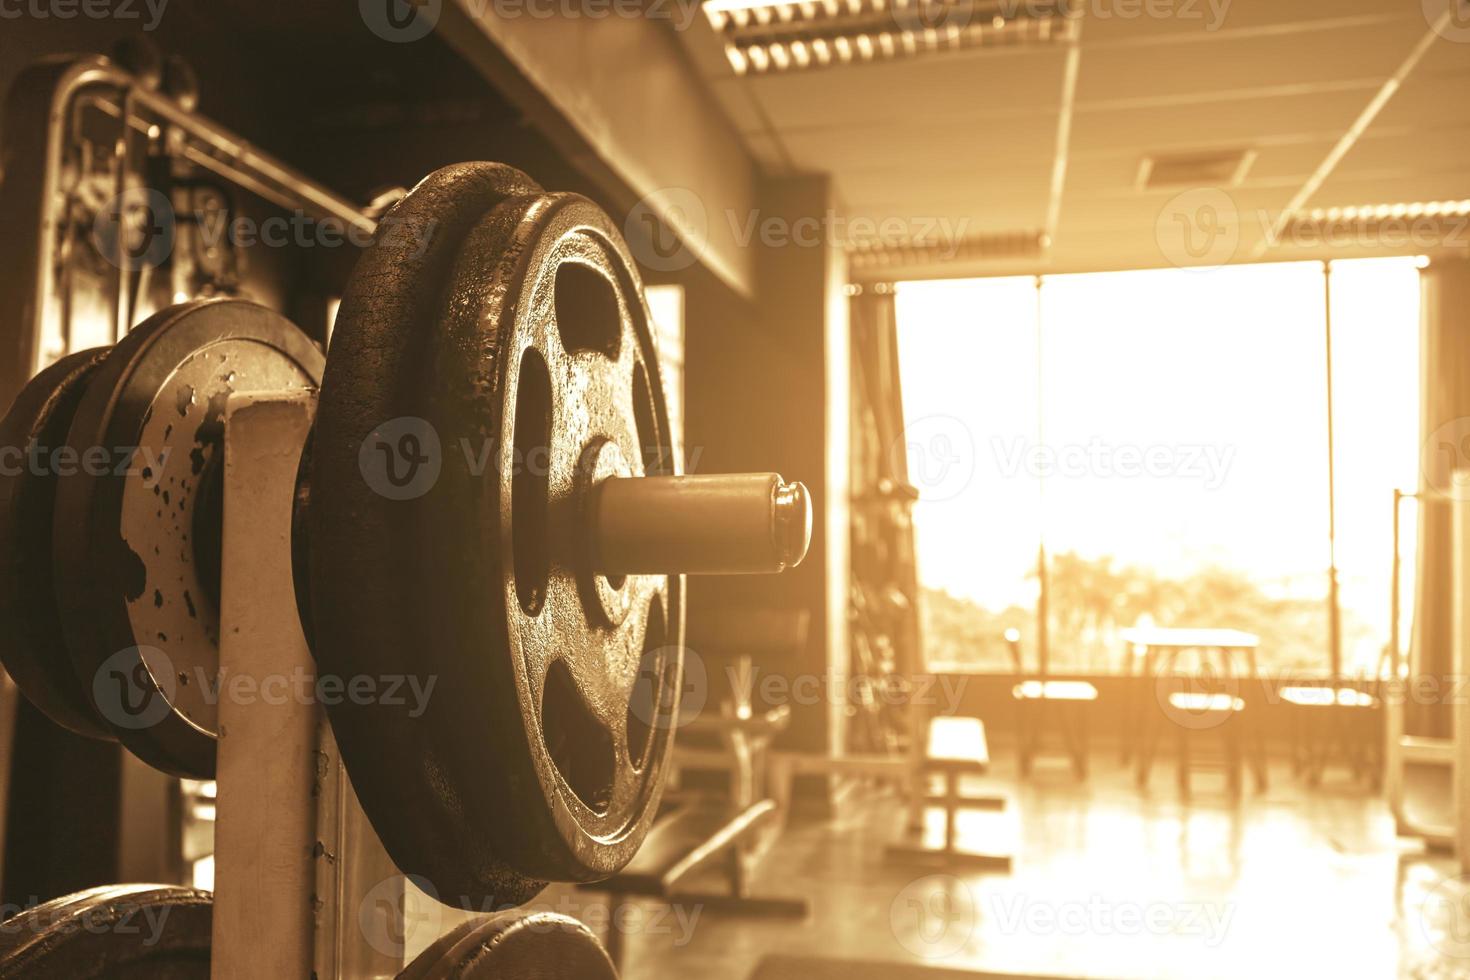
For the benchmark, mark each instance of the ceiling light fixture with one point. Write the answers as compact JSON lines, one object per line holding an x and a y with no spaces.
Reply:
{"x":868,"y":255}
{"x":1411,"y":224}
{"x":1384,"y":212}
{"x":790,"y":35}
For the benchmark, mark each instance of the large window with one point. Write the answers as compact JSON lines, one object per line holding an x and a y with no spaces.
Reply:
{"x":1164,"y":436}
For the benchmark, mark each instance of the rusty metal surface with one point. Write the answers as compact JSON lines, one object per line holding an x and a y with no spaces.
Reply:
{"x":139,"y":613}
{"x":545,"y":294}
{"x":364,"y":554}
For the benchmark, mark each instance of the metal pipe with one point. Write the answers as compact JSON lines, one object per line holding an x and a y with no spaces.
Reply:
{"x":1460,"y":660}
{"x":1043,"y":595}
{"x":1395,"y":652}
{"x":1334,"y":609}
{"x":44,"y":97}
{"x":726,"y":524}
{"x":229,"y":155}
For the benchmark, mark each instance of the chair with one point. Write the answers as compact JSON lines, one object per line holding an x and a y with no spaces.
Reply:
{"x":1331,"y":718}
{"x":1038,"y":700}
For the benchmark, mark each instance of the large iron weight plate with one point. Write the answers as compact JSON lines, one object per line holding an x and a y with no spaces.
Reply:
{"x":32,"y":645}
{"x":115,"y":932}
{"x":514,"y":945}
{"x":413,"y":561}
{"x":363,"y":547}
{"x":547,"y":368}
{"x":137,"y":545}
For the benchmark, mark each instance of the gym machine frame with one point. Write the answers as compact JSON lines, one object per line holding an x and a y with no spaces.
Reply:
{"x":1400,"y":748}
{"x":285,"y":806}
{"x":41,"y":109}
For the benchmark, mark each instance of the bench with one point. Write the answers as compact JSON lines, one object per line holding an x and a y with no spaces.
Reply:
{"x":955,"y":747}
{"x":690,"y":840}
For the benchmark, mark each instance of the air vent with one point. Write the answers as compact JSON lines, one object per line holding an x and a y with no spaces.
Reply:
{"x":1217,"y":168}
{"x":869,"y":256}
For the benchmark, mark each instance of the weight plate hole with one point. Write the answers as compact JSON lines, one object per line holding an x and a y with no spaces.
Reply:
{"x":581,"y":747}
{"x":645,"y":706}
{"x":587,"y":310}
{"x":529,"y":482}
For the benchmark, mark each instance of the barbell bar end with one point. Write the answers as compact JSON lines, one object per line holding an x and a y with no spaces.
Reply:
{"x":791,"y":523}
{"x":720,"y":524}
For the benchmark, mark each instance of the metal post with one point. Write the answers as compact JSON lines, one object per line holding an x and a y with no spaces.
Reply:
{"x":1460,"y":662}
{"x":297,"y":866}
{"x":266,"y":824}
{"x":1395,"y":651}
{"x":1043,"y":606}
{"x":1393,"y":709}
{"x":1334,"y":612}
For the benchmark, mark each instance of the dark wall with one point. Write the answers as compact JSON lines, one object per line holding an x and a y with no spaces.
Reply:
{"x":760,"y":397}
{"x":311,"y":85}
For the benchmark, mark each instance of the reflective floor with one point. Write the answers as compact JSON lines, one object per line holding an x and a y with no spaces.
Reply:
{"x":1108,"y":882}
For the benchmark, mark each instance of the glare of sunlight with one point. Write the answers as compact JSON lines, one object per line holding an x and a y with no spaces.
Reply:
{"x":1177,"y":425}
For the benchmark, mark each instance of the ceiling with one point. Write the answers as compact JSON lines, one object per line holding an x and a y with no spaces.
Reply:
{"x":1047,"y":141}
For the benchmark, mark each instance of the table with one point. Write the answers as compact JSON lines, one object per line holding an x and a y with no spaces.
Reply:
{"x":1172,"y":641}
{"x":1160,"y":648}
